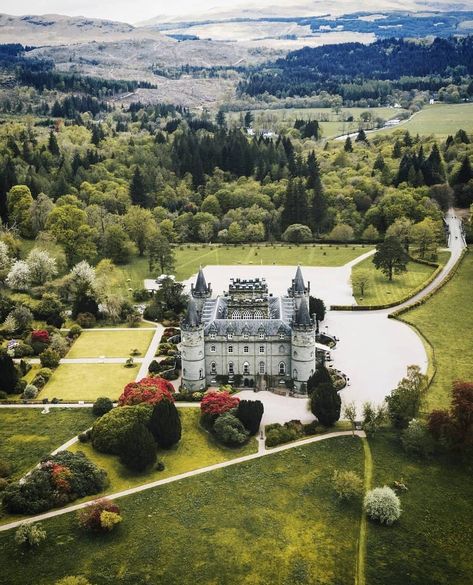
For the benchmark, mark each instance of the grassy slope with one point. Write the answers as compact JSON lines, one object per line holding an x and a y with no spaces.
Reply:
{"x":26,"y":435}
{"x":446,"y":320}
{"x":381,"y":291}
{"x":87,"y":381}
{"x":432,"y":542}
{"x":110,"y":343}
{"x":196,"y":449}
{"x":274,"y":520}
{"x":439,"y":119}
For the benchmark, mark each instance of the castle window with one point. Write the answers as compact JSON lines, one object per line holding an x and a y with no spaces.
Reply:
{"x":294,"y":374}
{"x":261,"y":368}
{"x":281,"y":349}
{"x":230,"y":349}
{"x":184,"y":372}
{"x":281,"y":336}
{"x":246,"y":368}
{"x":246,"y":349}
{"x":213,"y":348}
{"x":213,"y":368}
{"x":213,"y":335}
{"x":230,"y":368}
{"x":229,"y":335}
{"x":261,"y":335}
{"x":261,"y":348}
{"x":201,"y":374}
{"x":282,"y":369}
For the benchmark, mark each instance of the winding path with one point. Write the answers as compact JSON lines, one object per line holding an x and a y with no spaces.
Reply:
{"x":262,"y":452}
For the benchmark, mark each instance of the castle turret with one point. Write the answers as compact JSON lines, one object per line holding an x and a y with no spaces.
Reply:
{"x":201,"y":291}
{"x":303,"y":345}
{"x":298,"y":288}
{"x":192,"y":349}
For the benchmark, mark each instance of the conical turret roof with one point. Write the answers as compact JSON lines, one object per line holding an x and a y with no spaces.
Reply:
{"x":302,"y":314}
{"x":201,"y":284}
{"x":191,"y":318}
{"x":299,"y":286}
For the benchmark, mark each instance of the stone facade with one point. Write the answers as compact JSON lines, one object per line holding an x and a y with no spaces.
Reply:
{"x":248,"y":337}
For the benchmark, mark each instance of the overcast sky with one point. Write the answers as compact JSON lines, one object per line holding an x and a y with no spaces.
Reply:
{"x":125,"y":10}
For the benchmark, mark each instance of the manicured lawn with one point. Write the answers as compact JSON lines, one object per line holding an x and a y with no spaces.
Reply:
{"x":446,"y":320}
{"x":26,"y":435}
{"x":439,"y":119}
{"x":190,"y":257}
{"x":432,"y":542}
{"x":87,"y":381}
{"x":273,"y":520}
{"x":93,"y":344}
{"x":381,"y":291}
{"x":196,"y":449}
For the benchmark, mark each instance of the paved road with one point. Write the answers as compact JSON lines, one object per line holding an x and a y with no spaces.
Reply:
{"x":262,"y":452}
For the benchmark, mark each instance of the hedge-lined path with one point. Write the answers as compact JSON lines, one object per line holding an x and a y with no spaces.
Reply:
{"x":262,"y":452}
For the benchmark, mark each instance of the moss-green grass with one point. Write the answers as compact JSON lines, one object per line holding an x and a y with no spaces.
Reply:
{"x":87,"y":381}
{"x":275,"y":520}
{"x":196,"y":449}
{"x":381,"y":291}
{"x":446,"y":320}
{"x":439,"y":120}
{"x":93,"y":344}
{"x":26,"y":435}
{"x":432,"y":542}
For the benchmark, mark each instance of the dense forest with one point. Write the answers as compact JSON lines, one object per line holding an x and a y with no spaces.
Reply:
{"x":355,"y":71}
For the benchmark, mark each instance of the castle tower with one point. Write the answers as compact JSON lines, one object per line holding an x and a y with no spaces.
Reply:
{"x":201,"y":291}
{"x":192,"y":350}
{"x":302,"y":346}
{"x":298,"y":288}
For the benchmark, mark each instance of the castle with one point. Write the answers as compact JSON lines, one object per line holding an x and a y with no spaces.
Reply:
{"x":248,"y":337}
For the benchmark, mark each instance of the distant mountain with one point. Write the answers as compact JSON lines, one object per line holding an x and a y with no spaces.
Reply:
{"x":56,"y":29}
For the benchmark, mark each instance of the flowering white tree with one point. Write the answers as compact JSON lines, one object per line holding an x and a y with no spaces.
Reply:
{"x":382,"y":504}
{"x":19,"y":277}
{"x":5,"y":260}
{"x":42,"y":266}
{"x":82,"y":278}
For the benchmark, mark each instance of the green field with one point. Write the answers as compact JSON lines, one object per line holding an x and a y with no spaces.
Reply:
{"x":196,"y":449}
{"x":94,"y":344}
{"x":87,"y":381}
{"x":275,"y":520}
{"x":381,"y":291}
{"x":432,"y":542}
{"x":190,"y":257}
{"x":26,"y":435}
{"x":439,"y":119}
{"x":334,"y":126}
{"x":446,"y":320}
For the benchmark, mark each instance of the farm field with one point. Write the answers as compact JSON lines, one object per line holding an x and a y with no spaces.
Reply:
{"x":446,"y":320}
{"x":94,"y":344}
{"x":273,"y":520}
{"x":381,"y":291}
{"x":26,"y":435}
{"x":439,"y":119}
{"x":196,"y":449}
{"x":87,"y":381}
{"x":433,"y":539}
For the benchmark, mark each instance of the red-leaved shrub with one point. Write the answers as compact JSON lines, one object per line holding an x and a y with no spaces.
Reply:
{"x":147,"y":390}
{"x":91,"y":517}
{"x":216,"y":403}
{"x":40,"y":335}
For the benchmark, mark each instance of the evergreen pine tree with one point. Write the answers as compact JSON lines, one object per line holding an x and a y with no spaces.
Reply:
{"x":137,"y":188}
{"x":8,"y":373}
{"x":325,"y":403}
{"x":397,"y":149}
{"x":250,"y":413}
{"x":53,"y":146}
{"x":361,"y":137}
{"x":348,"y":145}
{"x":288,"y":211}
{"x":464,"y":174}
{"x":165,"y":424}
{"x":138,"y":449}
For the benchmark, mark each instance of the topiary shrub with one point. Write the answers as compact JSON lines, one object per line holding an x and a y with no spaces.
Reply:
{"x":138,"y":449}
{"x":165,"y":424}
{"x":108,"y":430}
{"x":383,"y":505}
{"x":49,"y":358}
{"x":100,"y":516}
{"x":154,"y":367}
{"x":102,"y":405}
{"x":230,"y":430}
{"x":250,"y":413}
{"x":45,"y":373}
